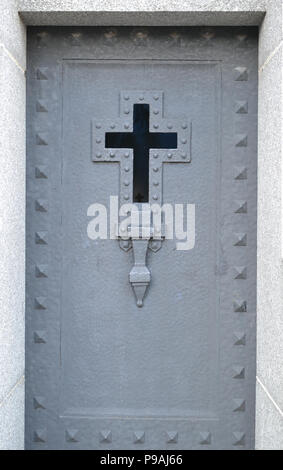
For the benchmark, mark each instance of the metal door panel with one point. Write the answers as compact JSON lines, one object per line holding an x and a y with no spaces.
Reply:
{"x":180,"y":372}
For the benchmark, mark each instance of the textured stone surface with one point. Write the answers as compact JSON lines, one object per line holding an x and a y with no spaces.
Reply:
{"x":146,"y":12}
{"x":271,"y":31}
{"x":12,"y":31}
{"x":141,"y":5}
{"x":12,"y":419}
{"x":12,"y":221}
{"x":270,"y":318}
{"x":269,"y":423}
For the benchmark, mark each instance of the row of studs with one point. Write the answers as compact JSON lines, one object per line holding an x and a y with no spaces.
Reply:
{"x":139,"y":437}
{"x":140,"y":37}
{"x":42,"y":75}
{"x":240,"y":207}
{"x":127,"y":126}
{"x":41,"y":173}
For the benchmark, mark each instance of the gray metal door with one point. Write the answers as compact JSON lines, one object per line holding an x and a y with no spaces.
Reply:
{"x":134,"y":343}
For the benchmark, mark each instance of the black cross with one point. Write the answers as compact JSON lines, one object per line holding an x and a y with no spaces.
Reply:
{"x":141,"y":140}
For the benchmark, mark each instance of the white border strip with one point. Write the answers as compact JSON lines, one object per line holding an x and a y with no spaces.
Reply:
{"x":5,"y":50}
{"x":270,"y":56}
{"x":269,"y":396}
{"x":10,"y":393}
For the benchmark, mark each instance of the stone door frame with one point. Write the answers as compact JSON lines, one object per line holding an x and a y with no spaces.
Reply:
{"x":15,"y":17}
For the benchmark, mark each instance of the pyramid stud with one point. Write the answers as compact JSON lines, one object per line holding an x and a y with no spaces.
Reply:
{"x":239,"y":405}
{"x":40,"y":435}
{"x":76,"y":39}
{"x":241,"y":207}
{"x":207,"y":34}
{"x":239,"y":438}
{"x":241,"y":173}
{"x":242,"y":140}
{"x":240,"y":272}
{"x":41,"y":139}
{"x":105,"y":435}
{"x":41,"y":106}
{"x":139,"y":437}
{"x":41,"y":171}
{"x":39,"y":336}
{"x":240,"y":306}
{"x":110,"y":36}
{"x":175,"y":38}
{"x":241,"y":239}
{"x":39,"y":402}
{"x":40,"y":303}
{"x":42,"y":73}
{"x":172,"y":437}
{"x":241,"y":74}
{"x":72,"y":435}
{"x":239,"y":338}
{"x":205,"y":438}
{"x":241,"y":37}
{"x":41,"y":238}
{"x":238,"y":372}
{"x":41,"y":205}
{"x":141,"y":39}
{"x":241,"y":107}
{"x":42,"y":38}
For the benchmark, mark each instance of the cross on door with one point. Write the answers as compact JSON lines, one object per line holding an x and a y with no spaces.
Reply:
{"x":141,"y":140}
